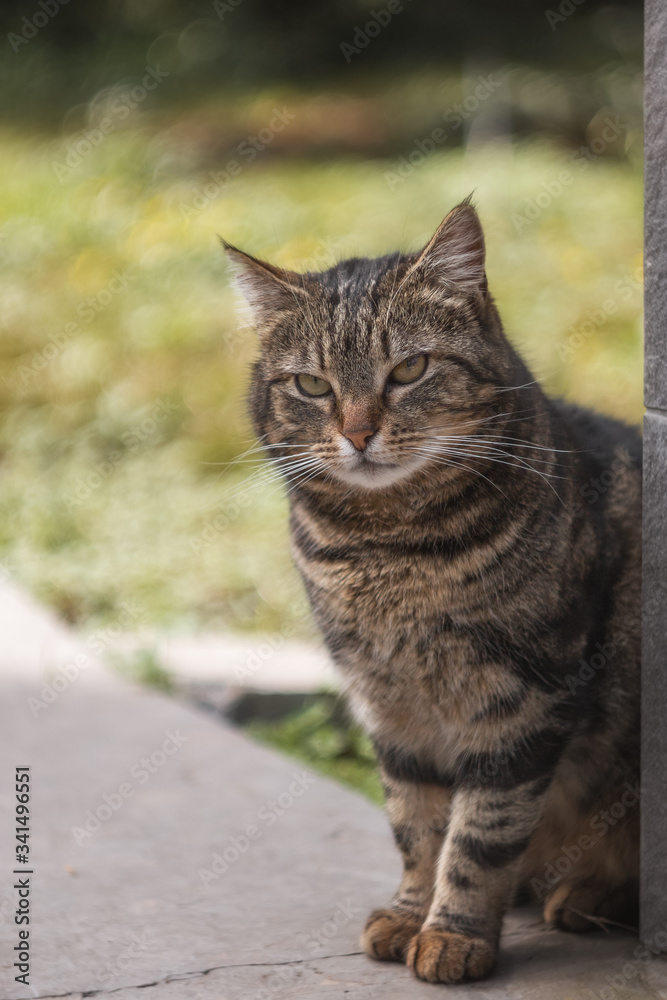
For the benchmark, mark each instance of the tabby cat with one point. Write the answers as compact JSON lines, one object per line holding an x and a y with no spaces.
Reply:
{"x":471,"y":552}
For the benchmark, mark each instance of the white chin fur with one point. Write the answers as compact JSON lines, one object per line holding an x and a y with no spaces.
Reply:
{"x":374,"y":477}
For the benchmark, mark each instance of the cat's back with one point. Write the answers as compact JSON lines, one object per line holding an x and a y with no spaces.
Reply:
{"x":599,"y":437}
{"x":609,"y":461}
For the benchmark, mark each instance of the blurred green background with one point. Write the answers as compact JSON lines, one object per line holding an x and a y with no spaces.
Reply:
{"x":134,"y":133}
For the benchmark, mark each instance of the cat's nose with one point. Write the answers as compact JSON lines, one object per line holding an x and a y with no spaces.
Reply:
{"x":359,"y":436}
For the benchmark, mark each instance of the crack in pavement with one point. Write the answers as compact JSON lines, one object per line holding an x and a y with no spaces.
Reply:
{"x":182,"y":976}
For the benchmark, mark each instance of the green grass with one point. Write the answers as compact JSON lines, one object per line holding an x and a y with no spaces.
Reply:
{"x":113,"y":428}
{"x":143,"y":667}
{"x":316,"y":737}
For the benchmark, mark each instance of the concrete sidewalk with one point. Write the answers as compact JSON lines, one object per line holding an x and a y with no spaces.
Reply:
{"x":252,"y":663}
{"x":174,"y":858}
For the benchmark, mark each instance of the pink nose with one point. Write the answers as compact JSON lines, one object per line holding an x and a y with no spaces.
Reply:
{"x":359,"y":438}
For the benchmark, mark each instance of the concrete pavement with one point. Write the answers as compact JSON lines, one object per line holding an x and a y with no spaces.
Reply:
{"x":171,"y":857}
{"x":254,"y":663}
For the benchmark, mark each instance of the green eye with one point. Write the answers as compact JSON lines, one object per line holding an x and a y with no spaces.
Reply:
{"x":410,"y":369}
{"x":311,"y":385}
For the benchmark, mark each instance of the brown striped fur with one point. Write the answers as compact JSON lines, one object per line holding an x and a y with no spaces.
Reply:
{"x":471,"y":551}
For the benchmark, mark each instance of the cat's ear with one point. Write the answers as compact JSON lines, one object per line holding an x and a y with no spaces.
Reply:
{"x":267,"y":289}
{"x":456,"y":254}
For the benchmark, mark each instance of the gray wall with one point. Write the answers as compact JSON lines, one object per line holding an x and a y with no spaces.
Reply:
{"x":654,"y":672}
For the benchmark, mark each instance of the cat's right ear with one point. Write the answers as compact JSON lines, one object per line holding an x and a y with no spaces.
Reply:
{"x":267,"y":289}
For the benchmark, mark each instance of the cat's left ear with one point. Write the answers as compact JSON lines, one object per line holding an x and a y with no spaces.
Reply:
{"x":267,"y":289}
{"x":456,"y":254}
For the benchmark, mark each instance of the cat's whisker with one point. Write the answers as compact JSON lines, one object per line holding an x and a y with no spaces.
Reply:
{"x":493,"y":449}
{"x":519,"y":417}
{"x":283,"y":444}
{"x":258,"y":449}
{"x":278,"y":460}
{"x":518,"y":463}
{"x":508,"y":441}
{"x":491,"y":453}
{"x":259,"y":460}
{"x":273,"y":468}
{"x":277,"y":484}
{"x":522,"y":443}
{"x":286,"y":470}
{"x":464,"y":423}
{"x":491,"y":457}
{"x":511,"y":388}
{"x":303,"y":480}
{"x":440,"y":459}
{"x":302,"y":476}
{"x":268,"y":474}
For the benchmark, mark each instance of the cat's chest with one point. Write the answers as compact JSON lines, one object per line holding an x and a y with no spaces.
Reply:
{"x":402,"y":630}
{"x":393,"y":623}
{"x":362,"y":576}
{"x":384,"y":598}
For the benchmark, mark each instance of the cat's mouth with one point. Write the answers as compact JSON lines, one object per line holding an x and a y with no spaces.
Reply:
{"x":372,"y":472}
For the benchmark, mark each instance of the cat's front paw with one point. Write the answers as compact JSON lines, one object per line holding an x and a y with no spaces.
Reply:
{"x":387,"y":935}
{"x":444,"y":957}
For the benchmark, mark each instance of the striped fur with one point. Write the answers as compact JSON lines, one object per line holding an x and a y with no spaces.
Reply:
{"x":475,"y":573}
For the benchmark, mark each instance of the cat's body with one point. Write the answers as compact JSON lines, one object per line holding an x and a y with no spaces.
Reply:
{"x":471,"y":552}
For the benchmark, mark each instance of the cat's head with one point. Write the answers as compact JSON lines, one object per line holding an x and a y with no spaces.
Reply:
{"x":366,"y":368}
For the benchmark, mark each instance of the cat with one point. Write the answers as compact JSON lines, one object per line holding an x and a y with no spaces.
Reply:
{"x":471,"y":552}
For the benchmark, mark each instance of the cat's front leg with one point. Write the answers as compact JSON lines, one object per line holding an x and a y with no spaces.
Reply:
{"x":418,"y":814}
{"x":475,"y":882}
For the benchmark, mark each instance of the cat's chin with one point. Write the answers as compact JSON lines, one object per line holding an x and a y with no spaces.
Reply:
{"x":374,"y":475}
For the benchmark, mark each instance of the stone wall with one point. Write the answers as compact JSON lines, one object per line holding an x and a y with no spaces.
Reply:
{"x":654,"y":678}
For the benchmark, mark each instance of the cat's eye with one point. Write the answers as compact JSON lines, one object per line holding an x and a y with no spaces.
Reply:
{"x":312,"y":385}
{"x":409,"y":370}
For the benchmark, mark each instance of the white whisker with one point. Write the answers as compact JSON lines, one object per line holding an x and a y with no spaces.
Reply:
{"x":445,"y":460}
{"x":490,"y":453}
{"x":458,"y":450}
{"x":507,"y":441}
